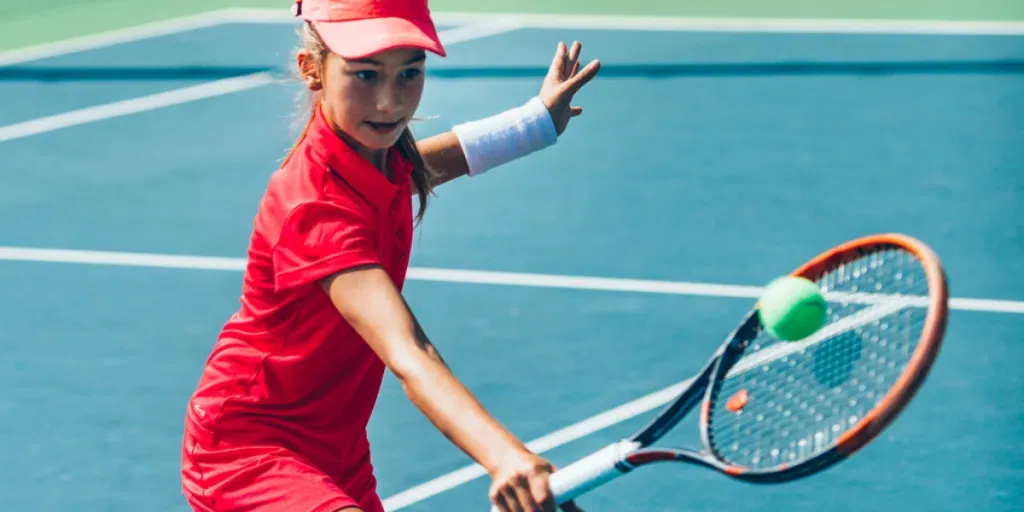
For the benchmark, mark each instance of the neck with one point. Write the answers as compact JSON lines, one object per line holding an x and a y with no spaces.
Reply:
{"x":377,"y":157}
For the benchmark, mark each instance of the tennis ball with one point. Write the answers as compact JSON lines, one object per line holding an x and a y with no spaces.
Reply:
{"x":792,"y":308}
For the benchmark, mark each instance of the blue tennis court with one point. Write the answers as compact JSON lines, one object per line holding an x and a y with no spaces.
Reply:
{"x":713,"y":157}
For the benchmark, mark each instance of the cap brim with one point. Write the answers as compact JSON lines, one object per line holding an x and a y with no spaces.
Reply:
{"x":357,"y":39}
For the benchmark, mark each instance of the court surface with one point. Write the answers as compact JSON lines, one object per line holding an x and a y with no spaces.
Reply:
{"x":704,"y":156}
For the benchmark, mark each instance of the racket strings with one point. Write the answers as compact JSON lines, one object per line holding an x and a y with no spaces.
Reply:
{"x":800,"y":397}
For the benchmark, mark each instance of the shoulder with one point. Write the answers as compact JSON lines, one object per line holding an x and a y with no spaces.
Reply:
{"x":321,"y":220}
{"x":318,"y":238}
{"x":312,"y":205}
{"x":315,"y":233}
{"x":303,"y":193}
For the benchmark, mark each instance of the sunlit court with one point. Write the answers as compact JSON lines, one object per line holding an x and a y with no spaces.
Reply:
{"x":574,"y":291}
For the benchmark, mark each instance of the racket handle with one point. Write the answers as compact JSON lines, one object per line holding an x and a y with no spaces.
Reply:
{"x":589,"y":473}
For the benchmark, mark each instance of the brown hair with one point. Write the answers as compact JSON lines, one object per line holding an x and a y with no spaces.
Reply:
{"x":406,"y":145}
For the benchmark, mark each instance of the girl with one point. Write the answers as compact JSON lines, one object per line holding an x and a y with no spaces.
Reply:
{"x":278,"y":420}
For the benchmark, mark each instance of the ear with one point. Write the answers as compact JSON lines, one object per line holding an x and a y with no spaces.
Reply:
{"x":309,"y":68}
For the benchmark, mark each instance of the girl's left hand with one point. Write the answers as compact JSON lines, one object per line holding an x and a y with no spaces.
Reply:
{"x":563,"y":81}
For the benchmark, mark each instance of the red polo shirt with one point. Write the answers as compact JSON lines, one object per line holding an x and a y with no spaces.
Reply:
{"x":287,"y":370}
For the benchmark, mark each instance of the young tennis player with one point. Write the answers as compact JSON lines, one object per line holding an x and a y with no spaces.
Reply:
{"x":278,"y":420}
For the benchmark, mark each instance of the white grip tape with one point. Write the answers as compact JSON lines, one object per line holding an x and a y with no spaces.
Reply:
{"x":590,"y":472}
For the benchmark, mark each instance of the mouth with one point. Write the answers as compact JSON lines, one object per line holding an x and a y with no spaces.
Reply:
{"x":383,"y":128}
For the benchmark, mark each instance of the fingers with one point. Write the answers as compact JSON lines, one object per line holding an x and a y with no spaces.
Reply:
{"x":574,"y":84}
{"x":564,"y":79}
{"x":565,"y":69}
{"x":572,"y":60}
{"x":566,"y":63}
{"x":541,"y":492}
{"x":524,"y":493}
{"x":570,"y":506}
{"x":508,"y":500}
{"x":557,"y":69}
{"x":500,"y":502}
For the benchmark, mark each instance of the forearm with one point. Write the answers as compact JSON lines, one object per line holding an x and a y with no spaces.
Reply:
{"x":444,"y":156}
{"x":454,"y":411}
{"x":370,"y":303}
{"x":475,"y":147}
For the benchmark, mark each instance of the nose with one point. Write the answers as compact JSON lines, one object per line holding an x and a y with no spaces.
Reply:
{"x":389,"y":99}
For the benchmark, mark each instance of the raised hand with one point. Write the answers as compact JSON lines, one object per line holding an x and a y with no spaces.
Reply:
{"x":563,"y":81}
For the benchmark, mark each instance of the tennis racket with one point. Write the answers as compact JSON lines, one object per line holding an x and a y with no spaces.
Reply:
{"x":773,"y":411}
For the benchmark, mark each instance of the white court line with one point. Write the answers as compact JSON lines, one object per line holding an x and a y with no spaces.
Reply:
{"x":690,"y":24}
{"x":477,"y":30}
{"x":133,"y":106}
{"x":486,"y":277}
{"x":199,"y":92}
{"x":115,"y":37}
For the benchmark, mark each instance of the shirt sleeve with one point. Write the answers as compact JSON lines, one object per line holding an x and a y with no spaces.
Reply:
{"x":319,"y":239}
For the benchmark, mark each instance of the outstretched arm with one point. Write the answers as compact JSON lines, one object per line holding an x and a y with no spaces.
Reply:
{"x":369,"y":301}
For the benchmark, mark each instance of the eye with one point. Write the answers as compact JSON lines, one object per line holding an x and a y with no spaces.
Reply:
{"x":366,"y":75}
{"x":411,"y":73}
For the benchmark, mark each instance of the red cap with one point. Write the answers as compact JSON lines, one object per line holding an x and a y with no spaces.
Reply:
{"x":355,"y":29}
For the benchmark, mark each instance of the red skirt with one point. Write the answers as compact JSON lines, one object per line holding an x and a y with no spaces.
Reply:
{"x":241,"y":478}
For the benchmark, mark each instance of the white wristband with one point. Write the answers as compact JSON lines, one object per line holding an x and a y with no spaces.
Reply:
{"x":512,"y":134}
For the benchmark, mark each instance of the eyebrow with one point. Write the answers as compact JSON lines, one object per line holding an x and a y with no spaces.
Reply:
{"x":420,"y":57}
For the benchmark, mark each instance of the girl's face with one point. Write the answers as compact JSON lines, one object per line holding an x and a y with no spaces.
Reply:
{"x":370,"y":100}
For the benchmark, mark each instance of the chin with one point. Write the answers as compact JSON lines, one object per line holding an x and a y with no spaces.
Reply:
{"x":375,"y":141}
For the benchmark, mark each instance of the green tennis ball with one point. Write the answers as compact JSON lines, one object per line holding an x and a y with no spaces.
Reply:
{"x":792,"y":308}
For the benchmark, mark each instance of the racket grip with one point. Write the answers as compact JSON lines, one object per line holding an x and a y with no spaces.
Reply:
{"x":589,"y":473}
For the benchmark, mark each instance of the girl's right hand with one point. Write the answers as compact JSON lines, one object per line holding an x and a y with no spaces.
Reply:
{"x":521,"y":485}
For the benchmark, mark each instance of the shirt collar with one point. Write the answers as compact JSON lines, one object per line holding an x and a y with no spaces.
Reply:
{"x":355,"y":170}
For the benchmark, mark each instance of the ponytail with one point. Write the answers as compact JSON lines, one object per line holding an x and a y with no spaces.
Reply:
{"x":302,"y":134}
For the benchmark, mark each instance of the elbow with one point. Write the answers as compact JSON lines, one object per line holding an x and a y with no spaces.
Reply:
{"x":408,"y":367}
